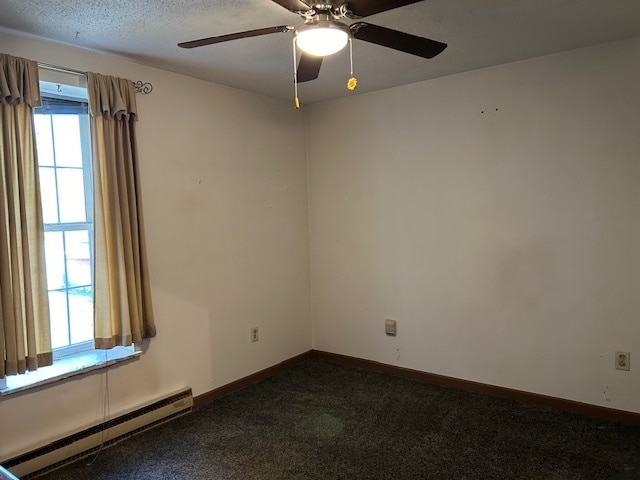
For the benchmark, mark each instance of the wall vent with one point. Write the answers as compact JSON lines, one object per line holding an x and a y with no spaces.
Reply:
{"x":89,"y":441}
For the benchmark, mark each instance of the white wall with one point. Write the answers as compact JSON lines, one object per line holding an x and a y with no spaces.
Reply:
{"x":494,"y":215}
{"x":225,"y":204}
{"x":505,"y":243}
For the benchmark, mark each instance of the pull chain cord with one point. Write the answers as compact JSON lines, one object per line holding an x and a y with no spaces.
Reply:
{"x":352,"y":83}
{"x":106,"y":410}
{"x":296,"y":101}
{"x":351,"y":56}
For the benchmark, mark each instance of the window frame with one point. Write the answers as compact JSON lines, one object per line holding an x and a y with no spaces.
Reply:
{"x":59,"y":103}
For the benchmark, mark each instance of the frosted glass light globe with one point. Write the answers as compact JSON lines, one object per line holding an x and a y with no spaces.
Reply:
{"x":322,"y":39}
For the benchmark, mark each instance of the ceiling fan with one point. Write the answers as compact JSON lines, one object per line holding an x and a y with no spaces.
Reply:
{"x":322,"y":32}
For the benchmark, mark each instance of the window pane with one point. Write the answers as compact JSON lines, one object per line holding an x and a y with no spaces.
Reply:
{"x":71,"y":195}
{"x":66,"y":131}
{"x":78,"y":258}
{"x":81,"y":314}
{"x":48,"y":193}
{"x":54,"y":256}
{"x":59,"y":323}
{"x":44,"y":140}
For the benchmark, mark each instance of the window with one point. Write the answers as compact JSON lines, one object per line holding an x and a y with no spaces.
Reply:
{"x":64,"y":161}
{"x":64,"y":149}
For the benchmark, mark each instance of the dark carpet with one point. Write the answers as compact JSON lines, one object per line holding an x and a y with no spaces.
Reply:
{"x":321,"y":420}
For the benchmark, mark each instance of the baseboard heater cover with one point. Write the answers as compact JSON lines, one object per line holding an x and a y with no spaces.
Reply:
{"x":89,"y":441}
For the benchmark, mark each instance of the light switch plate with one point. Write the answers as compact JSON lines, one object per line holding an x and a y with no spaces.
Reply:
{"x":390,"y":327}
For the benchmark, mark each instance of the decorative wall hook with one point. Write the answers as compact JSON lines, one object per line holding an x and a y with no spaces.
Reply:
{"x":142,"y":87}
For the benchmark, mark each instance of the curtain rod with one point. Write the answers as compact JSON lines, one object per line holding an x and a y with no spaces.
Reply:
{"x":139,"y":85}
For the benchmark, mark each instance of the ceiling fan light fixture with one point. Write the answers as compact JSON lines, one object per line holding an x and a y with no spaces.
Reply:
{"x":322,"y":38}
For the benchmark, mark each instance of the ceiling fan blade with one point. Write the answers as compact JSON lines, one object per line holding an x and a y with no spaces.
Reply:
{"x":235,"y":36}
{"x":308,"y":67}
{"x":364,"y":8}
{"x":405,"y":42}
{"x":293,"y":5}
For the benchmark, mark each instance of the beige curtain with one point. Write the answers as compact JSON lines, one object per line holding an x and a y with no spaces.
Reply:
{"x":25,"y":336}
{"x":123,"y":313}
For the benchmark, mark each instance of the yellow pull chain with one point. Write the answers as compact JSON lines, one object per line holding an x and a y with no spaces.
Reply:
{"x":352,"y":83}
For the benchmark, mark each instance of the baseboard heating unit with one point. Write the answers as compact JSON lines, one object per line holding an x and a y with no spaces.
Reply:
{"x":91,"y":440}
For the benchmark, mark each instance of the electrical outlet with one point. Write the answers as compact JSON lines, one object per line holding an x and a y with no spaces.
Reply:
{"x":254,"y":334}
{"x":623,"y":360}
{"x":390,"y":327}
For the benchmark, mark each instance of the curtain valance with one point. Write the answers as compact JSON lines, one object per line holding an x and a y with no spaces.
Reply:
{"x":111,"y":97}
{"x":18,"y":81}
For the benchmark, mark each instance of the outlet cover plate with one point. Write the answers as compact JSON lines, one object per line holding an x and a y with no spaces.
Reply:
{"x":623,"y":360}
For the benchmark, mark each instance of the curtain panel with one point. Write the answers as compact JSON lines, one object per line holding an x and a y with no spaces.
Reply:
{"x":25,"y":336}
{"x":123,"y":311}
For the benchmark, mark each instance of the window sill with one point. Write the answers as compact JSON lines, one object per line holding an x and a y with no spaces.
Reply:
{"x":68,"y":367}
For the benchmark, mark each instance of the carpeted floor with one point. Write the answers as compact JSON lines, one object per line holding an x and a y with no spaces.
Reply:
{"x":322,"y":420}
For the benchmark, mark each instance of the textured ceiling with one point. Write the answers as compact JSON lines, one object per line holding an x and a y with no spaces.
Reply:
{"x":480,"y":33}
